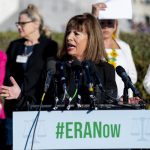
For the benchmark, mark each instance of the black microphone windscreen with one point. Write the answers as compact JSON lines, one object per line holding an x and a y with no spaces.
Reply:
{"x":93,"y":69}
{"x":76,"y":64}
{"x":120,"y":70}
{"x":126,"y":79}
{"x":51,"y":64}
{"x":88,"y":64}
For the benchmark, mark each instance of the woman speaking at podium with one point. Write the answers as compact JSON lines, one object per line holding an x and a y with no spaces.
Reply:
{"x":82,"y":64}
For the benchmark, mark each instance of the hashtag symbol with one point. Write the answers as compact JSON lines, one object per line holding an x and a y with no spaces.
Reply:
{"x":59,"y":130}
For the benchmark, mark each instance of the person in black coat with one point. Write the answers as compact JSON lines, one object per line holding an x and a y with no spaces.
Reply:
{"x":82,"y":55}
{"x":27,"y":58}
{"x":27,"y":75}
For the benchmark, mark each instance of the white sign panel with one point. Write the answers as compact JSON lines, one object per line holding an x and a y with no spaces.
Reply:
{"x":83,"y":129}
{"x":116,"y":9}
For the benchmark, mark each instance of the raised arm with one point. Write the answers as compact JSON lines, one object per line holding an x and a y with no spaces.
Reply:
{"x":97,"y":7}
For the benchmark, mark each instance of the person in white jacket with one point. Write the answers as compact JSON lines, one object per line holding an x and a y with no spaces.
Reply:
{"x":118,"y":52}
{"x":146,"y":81}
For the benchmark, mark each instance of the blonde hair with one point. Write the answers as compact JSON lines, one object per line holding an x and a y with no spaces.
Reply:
{"x":47,"y":31}
{"x":116,"y":32}
{"x":33,"y":13}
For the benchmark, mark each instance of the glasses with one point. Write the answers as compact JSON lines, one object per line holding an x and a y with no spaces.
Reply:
{"x":22,"y":24}
{"x":107,"y":23}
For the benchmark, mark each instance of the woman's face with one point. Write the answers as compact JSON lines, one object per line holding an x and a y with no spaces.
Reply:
{"x":26,"y":26}
{"x":76,"y":42}
{"x":108,"y":28}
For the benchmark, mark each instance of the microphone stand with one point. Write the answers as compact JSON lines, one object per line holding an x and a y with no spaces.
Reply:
{"x":93,"y":101}
{"x":125,"y":94}
{"x":78,"y":103}
{"x":98,"y":81}
{"x":78,"y":86}
{"x":93,"y":98}
{"x":56,"y":93}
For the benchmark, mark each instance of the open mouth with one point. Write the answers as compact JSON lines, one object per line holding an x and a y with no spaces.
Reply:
{"x":70,"y":46}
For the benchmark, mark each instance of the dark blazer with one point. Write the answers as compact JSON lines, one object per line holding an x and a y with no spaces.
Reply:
{"x":106,"y":75}
{"x":27,"y":79}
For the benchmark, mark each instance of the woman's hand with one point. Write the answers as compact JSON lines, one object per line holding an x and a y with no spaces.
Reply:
{"x":97,"y":7}
{"x":10,"y":92}
{"x":133,"y":100}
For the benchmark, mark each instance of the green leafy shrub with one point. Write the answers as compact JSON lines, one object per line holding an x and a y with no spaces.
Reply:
{"x":59,"y":38}
{"x":5,"y":38}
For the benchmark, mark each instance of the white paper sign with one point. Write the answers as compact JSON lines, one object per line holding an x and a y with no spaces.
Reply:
{"x":116,"y":9}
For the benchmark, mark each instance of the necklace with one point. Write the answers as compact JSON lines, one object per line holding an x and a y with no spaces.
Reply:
{"x":112,"y":57}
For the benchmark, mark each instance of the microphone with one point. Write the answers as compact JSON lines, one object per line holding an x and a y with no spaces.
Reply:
{"x":51,"y":70}
{"x":77,"y":68}
{"x":60,"y":67}
{"x":66,"y":98}
{"x":97,"y":78}
{"x":108,"y":94}
{"x":127,"y":81}
{"x":87,"y":67}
